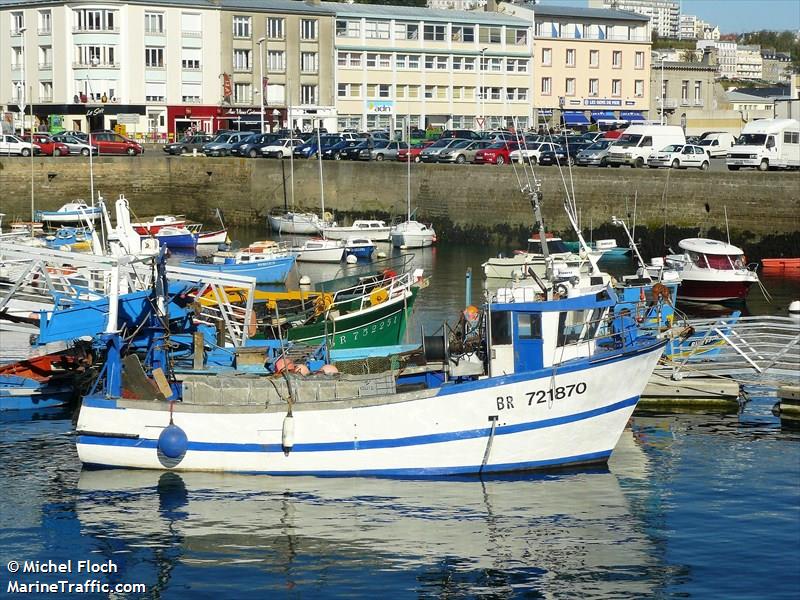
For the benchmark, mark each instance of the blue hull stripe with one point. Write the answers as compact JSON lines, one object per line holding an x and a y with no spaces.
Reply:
{"x":419,"y":440}
{"x":551,"y":463}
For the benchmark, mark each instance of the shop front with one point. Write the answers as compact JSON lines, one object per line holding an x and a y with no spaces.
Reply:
{"x":210,"y":119}
{"x":54,"y":118}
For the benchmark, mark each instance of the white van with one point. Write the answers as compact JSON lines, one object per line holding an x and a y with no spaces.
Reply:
{"x":767,"y":144}
{"x":638,"y":142}
{"x":717,"y":143}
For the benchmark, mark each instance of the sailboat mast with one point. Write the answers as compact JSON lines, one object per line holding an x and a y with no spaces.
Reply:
{"x":291,"y":149}
{"x":408,"y":168}
{"x":321,"y":182}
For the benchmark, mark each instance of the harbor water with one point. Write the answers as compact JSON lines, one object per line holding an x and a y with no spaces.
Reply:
{"x":691,"y":505}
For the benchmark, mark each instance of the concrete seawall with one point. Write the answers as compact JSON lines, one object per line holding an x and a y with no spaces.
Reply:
{"x":473,"y":203}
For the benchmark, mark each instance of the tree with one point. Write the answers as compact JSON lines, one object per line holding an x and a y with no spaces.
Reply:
{"x":689,"y":56}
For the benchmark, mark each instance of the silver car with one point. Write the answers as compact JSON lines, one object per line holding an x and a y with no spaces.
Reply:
{"x":594,"y":155}
{"x":75,"y":144}
{"x":431,"y":153}
{"x":384,"y":150}
{"x":463,"y":151}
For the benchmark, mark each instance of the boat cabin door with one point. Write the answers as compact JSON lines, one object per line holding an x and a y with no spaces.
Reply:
{"x":527,"y":341}
{"x":501,"y":355}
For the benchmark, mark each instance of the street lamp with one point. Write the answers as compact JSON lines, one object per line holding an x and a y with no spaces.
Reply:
{"x":22,"y":95}
{"x":260,"y":43}
{"x":663,"y":91}
{"x":481,"y":89}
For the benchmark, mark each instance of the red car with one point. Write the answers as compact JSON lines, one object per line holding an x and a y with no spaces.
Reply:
{"x":402,"y":154}
{"x":496,"y":154}
{"x":48,"y":145}
{"x":109,"y":142}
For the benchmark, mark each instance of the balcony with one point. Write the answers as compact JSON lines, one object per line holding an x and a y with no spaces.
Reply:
{"x":155,"y":32}
{"x":85,"y":29}
{"x":48,"y":98}
{"x":46,"y":66}
{"x":192,"y":34}
{"x":16,"y":33}
{"x":243,"y":69}
{"x":669,"y":103}
{"x":102,"y":65}
{"x":44,"y":31}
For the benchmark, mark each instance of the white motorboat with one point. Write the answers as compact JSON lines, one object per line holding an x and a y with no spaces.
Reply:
{"x":155,"y":224}
{"x":412,"y":234}
{"x":507,"y":267}
{"x":375,"y":230}
{"x":320,"y":251}
{"x":360,"y":247}
{"x":72,"y":212}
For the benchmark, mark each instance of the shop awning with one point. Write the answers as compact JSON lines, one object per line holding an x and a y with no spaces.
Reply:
{"x":575,"y":118}
{"x":603,"y":115}
{"x":632,"y":116}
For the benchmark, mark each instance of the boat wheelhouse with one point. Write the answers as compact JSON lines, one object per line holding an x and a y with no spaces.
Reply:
{"x":377,"y":231}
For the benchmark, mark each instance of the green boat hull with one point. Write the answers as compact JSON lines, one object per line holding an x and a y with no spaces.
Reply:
{"x":381,"y":325}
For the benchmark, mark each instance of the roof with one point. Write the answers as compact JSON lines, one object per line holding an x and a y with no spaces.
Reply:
{"x":286,"y":6}
{"x":589,"y":13}
{"x":382,"y":11}
{"x":767,"y":93}
{"x":737,"y":96}
{"x":706,"y":246}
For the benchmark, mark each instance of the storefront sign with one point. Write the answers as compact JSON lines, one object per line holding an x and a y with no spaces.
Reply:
{"x":380,"y":107}
{"x":128,"y":119}
{"x":56,"y":124}
{"x":602,"y":102}
{"x":93,"y":112}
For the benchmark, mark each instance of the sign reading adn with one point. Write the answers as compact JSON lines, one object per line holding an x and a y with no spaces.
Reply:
{"x":380,"y":107}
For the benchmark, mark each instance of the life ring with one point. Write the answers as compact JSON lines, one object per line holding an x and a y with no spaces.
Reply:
{"x":661,"y":292}
{"x":327,"y":217}
{"x":378,"y":296}
{"x":322,"y":303}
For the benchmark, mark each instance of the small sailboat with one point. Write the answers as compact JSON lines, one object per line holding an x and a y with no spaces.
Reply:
{"x":176,"y":237}
{"x":72,"y":212}
{"x":410,"y":233}
{"x":154,"y":225}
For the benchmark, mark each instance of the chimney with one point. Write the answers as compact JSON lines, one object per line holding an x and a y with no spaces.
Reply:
{"x":491,"y":6}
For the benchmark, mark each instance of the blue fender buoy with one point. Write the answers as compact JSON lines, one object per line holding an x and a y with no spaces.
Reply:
{"x":173,"y":442}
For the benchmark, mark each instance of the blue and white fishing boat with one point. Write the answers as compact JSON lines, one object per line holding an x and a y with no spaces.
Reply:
{"x":70,"y":238}
{"x":360,"y":247}
{"x":72,"y":212}
{"x":267,"y":262}
{"x":176,"y":237}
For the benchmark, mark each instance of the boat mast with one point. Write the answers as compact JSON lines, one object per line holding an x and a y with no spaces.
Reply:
{"x":319,"y":159}
{"x":536,"y":196}
{"x":408,"y":160}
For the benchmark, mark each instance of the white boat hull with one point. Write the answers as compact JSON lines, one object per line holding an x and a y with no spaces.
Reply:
{"x":490,"y":425}
{"x":412,"y":240}
{"x":70,"y":217}
{"x":378,"y":234}
{"x":321,"y":255}
{"x":295,"y":223}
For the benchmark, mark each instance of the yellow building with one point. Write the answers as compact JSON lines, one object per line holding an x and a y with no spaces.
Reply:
{"x":441,"y":68}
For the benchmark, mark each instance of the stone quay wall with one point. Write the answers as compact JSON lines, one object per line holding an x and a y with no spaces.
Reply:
{"x":465,"y":203}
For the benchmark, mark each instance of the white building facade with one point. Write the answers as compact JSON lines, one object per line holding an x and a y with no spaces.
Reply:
{"x":748,"y":62}
{"x":726,"y":56}
{"x":664,"y":15}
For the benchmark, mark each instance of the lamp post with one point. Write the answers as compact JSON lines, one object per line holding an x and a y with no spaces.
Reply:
{"x":23,"y":83}
{"x":481,"y":90}
{"x":22,"y":31}
{"x":663,"y":91}
{"x":260,"y":43}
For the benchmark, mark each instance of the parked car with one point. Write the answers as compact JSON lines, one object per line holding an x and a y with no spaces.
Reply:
{"x":529,"y":152}
{"x":187,"y":144}
{"x":335,"y":152}
{"x":47,"y":145}
{"x":222,"y":144}
{"x":11,"y":144}
{"x":251,"y":146}
{"x":109,"y":142}
{"x":463,"y":151}
{"x":353,"y":152}
{"x":592,"y":136}
{"x":76,"y":145}
{"x":386,"y":150}
{"x":431,"y":153}
{"x":309,"y":149}
{"x":638,"y":142}
{"x":595,"y":154}
{"x":281,"y":148}
{"x":414,"y":152}
{"x":498,"y":135}
{"x":565,"y":156}
{"x":717,"y":143}
{"x":680,"y":156}
{"x":498,"y":153}
{"x":464,"y":134}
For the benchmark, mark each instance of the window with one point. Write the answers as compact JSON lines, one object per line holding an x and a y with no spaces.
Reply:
{"x":45,"y":22}
{"x":435,"y":33}
{"x":241,"y":27}
{"x":191,"y":25}
{"x":462,"y":63}
{"x":308,"y":93}
{"x":516,"y":94}
{"x":190,"y":58}
{"x":276,"y":61}
{"x":95,"y":55}
{"x":241,"y":93}
{"x":463,"y":93}
{"x":154,"y":23}
{"x":155,"y":91}
{"x":348,"y":59}
{"x":46,"y":91}
{"x":437,"y":63}
{"x":570,"y":57}
{"x":547,"y":86}
{"x":95,"y":20}
{"x":436,"y":92}
{"x":594,"y":58}
{"x":616,"y":87}
{"x":348,"y":122}
{"x":684,"y":90}
{"x":309,"y":62}
{"x":492,"y":64}
{"x":529,"y":326}
{"x":698,"y":92}
{"x":45,"y":57}
{"x":516,"y":36}
{"x":791,"y":137}
{"x":308,"y":31}
{"x":276,"y":94}
{"x":517,"y":65}
{"x":639,"y":60}
{"x":594,"y":87}
{"x":406,"y":31}
{"x":547,"y":57}
{"x":154,"y":57}
{"x":616,"y":59}
{"x":407,"y":91}
{"x":491,"y":93}
{"x":638,"y":88}
{"x":241,"y":59}
{"x":275,"y":28}
{"x":491,"y":35}
{"x":17,"y":22}
{"x":460,"y":33}
{"x":379,"y":61}
{"x":348,"y":90}
{"x":348,"y":29}
{"x":190,"y":92}
{"x":16,"y":57}
{"x":377,"y":30}
{"x":569,"y":86}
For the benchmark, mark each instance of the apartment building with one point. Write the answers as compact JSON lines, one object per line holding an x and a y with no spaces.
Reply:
{"x":160,"y":68}
{"x":693,"y":28}
{"x":431,"y":68}
{"x":590,"y":65}
{"x":775,"y":66}
{"x":664,"y":15}
{"x":748,"y":62}
{"x":725,"y":56}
